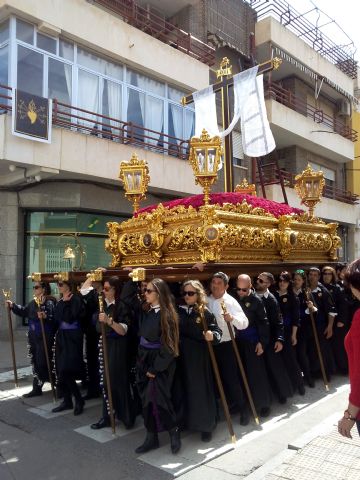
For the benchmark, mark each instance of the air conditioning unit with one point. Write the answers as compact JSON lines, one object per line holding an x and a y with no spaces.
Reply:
{"x":343,"y":108}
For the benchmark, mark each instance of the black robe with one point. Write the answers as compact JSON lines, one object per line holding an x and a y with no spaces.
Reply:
{"x":35,"y":339}
{"x":117,"y":348}
{"x":290,"y":311}
{"x":91,"y":303}
{"x":275,"y":365}
{"x":154,"y":357}
{"x":69,"y":339}
{"x":257,"y":331}
{"x":196,"y":368}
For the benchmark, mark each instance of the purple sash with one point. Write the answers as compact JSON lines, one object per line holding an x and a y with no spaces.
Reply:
{"x":150,"y":345}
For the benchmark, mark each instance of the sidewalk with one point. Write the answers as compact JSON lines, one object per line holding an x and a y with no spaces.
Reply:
{"x":320,"y":454}
{"x":21,"y":350}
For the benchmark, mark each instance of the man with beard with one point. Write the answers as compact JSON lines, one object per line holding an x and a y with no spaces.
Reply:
{"x":252,"y":342}
{"x":227,"y":311}
{"x":274,"y":361}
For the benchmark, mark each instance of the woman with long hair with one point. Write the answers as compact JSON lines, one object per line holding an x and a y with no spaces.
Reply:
{"x":41,"y":307}
{"x":158,"y":349}
{"x":200,"y":401}
{"x":116,"y":329}
{"x":69,"y":360}
{"x":352,"y":346}
{"x":290,"y":311}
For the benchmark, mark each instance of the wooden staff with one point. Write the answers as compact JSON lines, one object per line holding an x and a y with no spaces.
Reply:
{"x":7,"y":294}
{"x":201,"y":309}
{"x":106,"y":365}
{"x":317,"y":342}
{"x":46,"y":351}
{"x":241,"y":366}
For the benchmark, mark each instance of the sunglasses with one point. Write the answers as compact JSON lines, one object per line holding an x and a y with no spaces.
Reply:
{"x":36,"y":287}
{"x":242,"y":289}
{"x":189,"y":293}
{"x":260,"y":280}
{"x":148,"y":290}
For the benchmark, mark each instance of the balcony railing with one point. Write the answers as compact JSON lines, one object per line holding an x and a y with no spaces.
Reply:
{"x":108,"y":128}
{"x":273,"y":91}
{"x":159,"y":28}
{"x":270,"y":176}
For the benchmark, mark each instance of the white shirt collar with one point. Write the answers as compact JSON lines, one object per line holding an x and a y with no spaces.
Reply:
{"x":108,"y":303}
{"x":156,"y":308}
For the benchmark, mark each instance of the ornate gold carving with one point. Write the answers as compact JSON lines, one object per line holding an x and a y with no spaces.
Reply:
{"x":246,"y":188}
{"x":137,"y":275}
{"x":286,"y":238}
{"x":309,"y":187}
{"x":61,"y":277}
{"x":35,"y":277}
{"x":225,"y":69}
{"x":135,"y":177}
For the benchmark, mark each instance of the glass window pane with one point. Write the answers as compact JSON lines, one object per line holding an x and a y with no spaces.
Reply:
{"x":24,"y":31}
{"x":4,"y":31}
{"x":4,"y":66}
{"x":175,"y":94}
{"x":88,"y":97}
{"x":136,"y":107}
{"x":59,"y":81}
{"x":112,"y":106}
{"x":98,"y":64}
{"x":176,"y":121}
{"x":66,"y":50}
{"x":189,"y":124}
{"x":146,"y":83}
{"x":46,"y":43}
{"x":30,"y":71}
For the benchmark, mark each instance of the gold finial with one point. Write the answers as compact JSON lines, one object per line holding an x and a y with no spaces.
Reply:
{"x":276,"y":62}
{"x":225,"y":69}
{"x":7,"y":293}
{"x":246,"y":188}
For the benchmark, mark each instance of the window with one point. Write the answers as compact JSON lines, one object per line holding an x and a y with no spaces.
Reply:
{"x":111,"y":106}
{"x":4,"y":31}
{"x":46,"y":43}
{"x":66,"y":50}
{"x":4,"y":66}
{"x":24,"y":31}
{"x":59,"y":82}
{"x":47,"y":233}
{"x":98,"y":64}
{"x":30,"y":71}
{"x":88,"y":97}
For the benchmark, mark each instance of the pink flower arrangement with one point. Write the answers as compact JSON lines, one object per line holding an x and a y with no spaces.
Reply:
{"x":196,"y":201}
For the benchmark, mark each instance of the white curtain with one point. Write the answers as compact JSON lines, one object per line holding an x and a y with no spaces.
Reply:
{"x":189,"y":124}
{"x":88,"y":97}
{"x":114,"y":103}
{"x":177,"y":118}
{"x":152,"y":110}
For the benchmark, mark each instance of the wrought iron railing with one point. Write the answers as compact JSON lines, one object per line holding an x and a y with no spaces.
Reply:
{"x":108,"y":128}
{"x":156,"y":26}
{"x":271,"y":176}
{"x":289,"y":99}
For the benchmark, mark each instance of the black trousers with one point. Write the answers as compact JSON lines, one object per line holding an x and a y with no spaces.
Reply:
{"x":229,"y":373}
{"x":92,"y":360}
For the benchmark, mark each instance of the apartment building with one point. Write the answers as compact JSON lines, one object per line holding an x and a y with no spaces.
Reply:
{"x":312,"y":111}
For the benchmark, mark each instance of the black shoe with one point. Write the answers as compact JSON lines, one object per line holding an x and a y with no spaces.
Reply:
{"x":102,"y":423}
{"x":301,"y":389}
{"x":62,"y":406}
{"x":79,"y":407}
{"x":244,"y":417}
{"x":151,"y":443}
{"x":206,"y":436}
{"x":282,"y":400}
{"x":310,"y":381}
{"x":33,"y":393}
{"x":175,"y":442}
{"x":265,"y":412}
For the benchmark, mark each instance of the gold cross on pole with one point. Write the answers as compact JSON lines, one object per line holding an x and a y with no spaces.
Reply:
{"x":224,"y":73}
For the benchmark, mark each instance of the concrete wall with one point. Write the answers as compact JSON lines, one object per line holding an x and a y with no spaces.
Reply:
{"x":98,"y":29}
{"x":77,"y":155}
{"x":270,"y":30}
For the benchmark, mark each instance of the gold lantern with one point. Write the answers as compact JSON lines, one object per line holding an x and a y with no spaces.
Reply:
{"x":205,"y":158}
{"x":74,"y":252}
{"x":309,"y":186}
{"x":135,"y":177}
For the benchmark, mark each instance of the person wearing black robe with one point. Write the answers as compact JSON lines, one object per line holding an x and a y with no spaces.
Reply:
{"x":116,"y":328}
{"x":90,"y":294}
{"x":35,"y":339}
{"x":324,"y":312}
{"x":342,"y":320}
{"x":156,"y":363}
{"x":278,"y":375}
{"x":252,"y":342}
{"x":69,"y":360}
{"x":290,"y":311}
{"x":304,"y":333}
{"x":200,"y":401}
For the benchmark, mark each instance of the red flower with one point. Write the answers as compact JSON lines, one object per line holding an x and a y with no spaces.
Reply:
{"x":196,"y":201}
